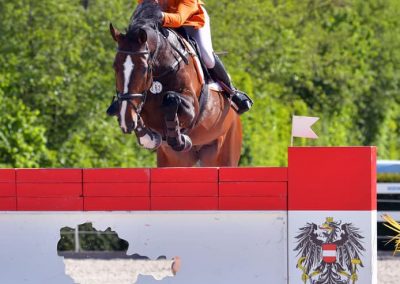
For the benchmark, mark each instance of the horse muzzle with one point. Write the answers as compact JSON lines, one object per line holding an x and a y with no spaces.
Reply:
{"x":128,"y":128}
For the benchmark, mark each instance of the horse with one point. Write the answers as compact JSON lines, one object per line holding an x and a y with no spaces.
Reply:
{"x":162,"y":96}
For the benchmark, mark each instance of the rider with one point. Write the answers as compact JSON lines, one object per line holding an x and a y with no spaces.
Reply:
{"x":193,"y":17}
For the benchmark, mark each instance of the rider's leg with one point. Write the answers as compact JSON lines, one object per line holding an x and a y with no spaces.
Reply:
{"x":240,"y":100}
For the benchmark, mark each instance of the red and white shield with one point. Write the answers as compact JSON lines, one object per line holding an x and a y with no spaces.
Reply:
{"x":329,"y":253}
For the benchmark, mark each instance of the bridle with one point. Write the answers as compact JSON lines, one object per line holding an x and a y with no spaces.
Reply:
{"x":150,"y":63}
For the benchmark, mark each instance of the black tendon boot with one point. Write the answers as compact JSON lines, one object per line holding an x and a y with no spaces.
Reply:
{"x":239,"y":100}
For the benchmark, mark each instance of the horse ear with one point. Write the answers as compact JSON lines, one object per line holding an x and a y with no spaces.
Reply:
{"x":142,"y":36}
{"x":114,"y":33}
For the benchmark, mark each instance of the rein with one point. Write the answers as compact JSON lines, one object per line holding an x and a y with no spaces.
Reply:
{"x":153,"y":58}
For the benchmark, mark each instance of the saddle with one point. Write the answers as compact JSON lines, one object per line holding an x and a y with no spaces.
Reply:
{"x":189,"y":46}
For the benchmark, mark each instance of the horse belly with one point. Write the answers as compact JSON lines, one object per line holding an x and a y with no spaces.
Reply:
{"x":216,"y":122}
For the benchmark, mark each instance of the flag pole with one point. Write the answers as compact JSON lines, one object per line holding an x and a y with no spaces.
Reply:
{"x":291,"y":133}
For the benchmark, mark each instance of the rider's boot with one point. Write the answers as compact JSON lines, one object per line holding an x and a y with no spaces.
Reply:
{"x":239,"y":100}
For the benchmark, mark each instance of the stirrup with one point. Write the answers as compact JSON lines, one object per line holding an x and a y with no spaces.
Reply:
{"x":241,"y":102}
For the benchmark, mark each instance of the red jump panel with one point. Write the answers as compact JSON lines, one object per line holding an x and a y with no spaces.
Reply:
{"x":49,"y":176}
{"x":8,"y":203}
{"x":50,"y":204}
{"x":116,"y":203}
{"x":253,"y":174}
{"x":253,"y":203}
{"x":184,"y":203}
{"x":49,"y":189}
{"x":272,"y":189}
{"x":189,"y":175}
{"x":116,"y":189}
{"x":7,"y":190}
{"x":184,"y":189}
{"x":7,"y":183}
{"x":116,"y":175}
{"x":7,"y":175}
{"x":332,"y":178}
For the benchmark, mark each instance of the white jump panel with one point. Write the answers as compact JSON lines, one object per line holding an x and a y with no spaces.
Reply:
{"x":332,"y":246}
{"x":214,"y":247}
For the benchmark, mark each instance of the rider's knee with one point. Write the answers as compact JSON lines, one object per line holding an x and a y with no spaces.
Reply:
{"x":209,"y":60}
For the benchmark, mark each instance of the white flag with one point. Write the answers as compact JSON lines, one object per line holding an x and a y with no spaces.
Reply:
{"x":301,"y":126}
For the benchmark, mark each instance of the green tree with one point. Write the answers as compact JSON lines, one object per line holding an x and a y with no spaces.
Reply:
{"x":335,"y":59}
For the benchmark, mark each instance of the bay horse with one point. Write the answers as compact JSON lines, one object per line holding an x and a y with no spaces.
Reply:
{"x":159,"y":97}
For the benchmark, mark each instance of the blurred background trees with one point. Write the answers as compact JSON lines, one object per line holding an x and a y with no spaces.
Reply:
{"x":337,"y":59}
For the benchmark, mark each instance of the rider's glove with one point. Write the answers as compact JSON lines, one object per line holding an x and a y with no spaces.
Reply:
{"x":160,"y":17}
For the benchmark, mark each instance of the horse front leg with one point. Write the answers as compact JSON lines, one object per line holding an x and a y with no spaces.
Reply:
{"x":147,"y":138}
{"x":178,"y":141}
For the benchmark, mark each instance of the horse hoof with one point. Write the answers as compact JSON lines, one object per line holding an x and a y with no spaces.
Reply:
{"x":150,"y":141}
{"x":187,"y":143}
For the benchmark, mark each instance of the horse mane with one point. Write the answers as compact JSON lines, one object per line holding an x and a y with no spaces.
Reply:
{"x":144,"y":15}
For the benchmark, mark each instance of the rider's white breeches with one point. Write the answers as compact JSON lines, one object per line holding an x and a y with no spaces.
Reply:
{"x":203,"y":39}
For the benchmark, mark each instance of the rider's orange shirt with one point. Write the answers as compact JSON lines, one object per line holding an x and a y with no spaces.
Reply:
{"x":179,"y":13}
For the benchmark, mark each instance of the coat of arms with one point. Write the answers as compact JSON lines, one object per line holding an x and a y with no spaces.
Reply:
{"x":329,"y":253}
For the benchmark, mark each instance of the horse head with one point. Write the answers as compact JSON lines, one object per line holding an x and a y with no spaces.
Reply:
{"x":133,"y":65}
{"x":133,"y":74}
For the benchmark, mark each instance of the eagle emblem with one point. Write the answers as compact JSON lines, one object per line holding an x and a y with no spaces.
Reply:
{"x":329,"y":253}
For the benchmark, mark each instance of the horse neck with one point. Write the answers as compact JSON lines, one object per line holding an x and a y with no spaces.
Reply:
{"x":167,"y":55}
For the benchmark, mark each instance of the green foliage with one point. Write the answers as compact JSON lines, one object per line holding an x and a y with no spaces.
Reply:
{"x":22,"y":139}
{"x":90,"y":240}
{"x":335,"y":59}
{"x":388,"y":177}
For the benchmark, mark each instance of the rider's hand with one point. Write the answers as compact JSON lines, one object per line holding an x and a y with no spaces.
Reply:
{"x":160,"y":17}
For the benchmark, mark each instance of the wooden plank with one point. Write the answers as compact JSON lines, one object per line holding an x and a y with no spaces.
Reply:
{"x":252,"y":203}
{"x":253,"y":174}
{"x":184,"y":175}
{"x":49,"y":203}
{"x":7,"y":175}
{"x":116,"y":175}
{"x":184,"y":189}
{"x":184,"y":203}
{"x":271,"y":189}
{"x":7,"y":190}
{"x":116,"y":189}
{"x":116,"y":203}
{"x":48,"y":175}
{"x":8,"y":203}
{"x":49,"y":189}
